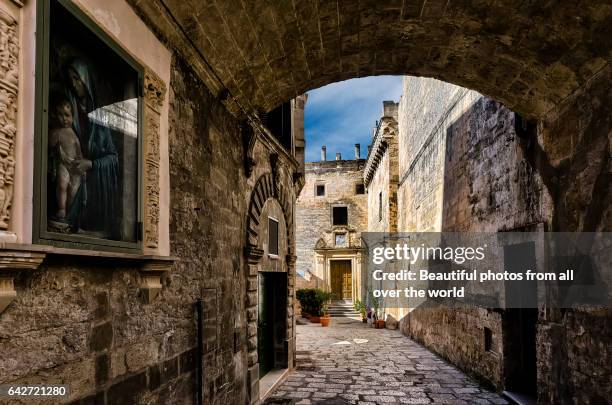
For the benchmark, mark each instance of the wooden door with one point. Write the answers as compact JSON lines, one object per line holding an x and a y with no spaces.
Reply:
{"x":341,"y":279}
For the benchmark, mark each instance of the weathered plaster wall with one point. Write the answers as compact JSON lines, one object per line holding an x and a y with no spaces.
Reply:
{"x":313,"y":214}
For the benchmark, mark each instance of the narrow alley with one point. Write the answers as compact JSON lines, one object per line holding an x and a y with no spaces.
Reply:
{"x":350,"y":362}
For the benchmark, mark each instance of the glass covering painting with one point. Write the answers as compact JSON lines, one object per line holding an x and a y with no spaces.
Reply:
{"x":92,"y":138}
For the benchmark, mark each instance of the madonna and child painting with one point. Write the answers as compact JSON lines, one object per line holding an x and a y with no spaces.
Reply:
{"x":92,"y":135}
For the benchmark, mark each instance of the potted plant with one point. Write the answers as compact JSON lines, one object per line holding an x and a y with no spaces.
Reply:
{"x":378,"y":323}
{"x":323,"y":297}
{"x":361,"y":308}
{"x":305,"y":297}
{"x":315,"y":301}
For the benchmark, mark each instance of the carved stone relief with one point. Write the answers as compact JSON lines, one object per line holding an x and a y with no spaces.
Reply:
{"x":9,"y":78}
{"x":154,"y":94}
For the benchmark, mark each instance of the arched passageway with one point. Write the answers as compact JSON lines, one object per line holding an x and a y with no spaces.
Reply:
{"x":529,"y":55}
{"x":547,"y":61}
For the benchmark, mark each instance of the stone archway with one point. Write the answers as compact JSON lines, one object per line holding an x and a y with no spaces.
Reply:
{"x":266,"y":189}
{"x":530,"y":56}
{"x":548,"y":61}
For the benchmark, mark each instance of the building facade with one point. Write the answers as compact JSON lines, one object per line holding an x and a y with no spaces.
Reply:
{"x":145,"y":220}
{"x":331,"y":213}
{"x":450,"y":160}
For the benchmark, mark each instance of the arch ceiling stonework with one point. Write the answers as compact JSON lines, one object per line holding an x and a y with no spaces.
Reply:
{"x":529,"y":55}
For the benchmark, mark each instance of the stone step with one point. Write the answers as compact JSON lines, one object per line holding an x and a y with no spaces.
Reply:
{"x":342,"y":312}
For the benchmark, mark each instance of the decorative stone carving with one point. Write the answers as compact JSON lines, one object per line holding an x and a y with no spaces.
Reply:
{"x":9,"y":79}
{"x":154,"y":94}
{"x":253,"y":254}
{"x":151,"y":273}
{"x":11,"y":262}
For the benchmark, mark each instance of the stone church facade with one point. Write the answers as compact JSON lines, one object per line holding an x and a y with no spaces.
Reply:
{"x":330,"y":216}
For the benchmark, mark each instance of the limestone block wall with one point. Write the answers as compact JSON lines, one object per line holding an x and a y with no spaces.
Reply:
{"x":313,"y":214}
{"x":462,"y":168}
{"x":381,"y":174}
{"x":426,"y":109}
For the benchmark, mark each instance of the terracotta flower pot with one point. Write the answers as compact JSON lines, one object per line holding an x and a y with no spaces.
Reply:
{"x":325,"y":320}
{"x":315,"y":319}
{"x":380,"y":324}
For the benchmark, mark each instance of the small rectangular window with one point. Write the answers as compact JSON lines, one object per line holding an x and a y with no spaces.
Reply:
{"x":359,"y":188}
{"x":340,"y":216}
{"x":380,"y":206}
{"x":272,"y":236}
{"x":320,"y":191}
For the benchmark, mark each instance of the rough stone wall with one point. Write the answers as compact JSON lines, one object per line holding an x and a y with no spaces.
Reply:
{"x":207,"y":215}
{"x":458,"y":335}
{"x":267,"y":52}
{"x":384,"y":180}
{"x":462,"y":168}
{"x":313,"y":214}
{"x":572,"y":151}
{"x":488,"y":183}
{"x":83,"y":321}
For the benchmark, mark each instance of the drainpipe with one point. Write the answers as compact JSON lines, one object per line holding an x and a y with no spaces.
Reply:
{"x":200,"y":352}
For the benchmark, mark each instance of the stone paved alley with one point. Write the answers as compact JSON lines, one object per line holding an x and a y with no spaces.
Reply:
{"x":351,"y":363}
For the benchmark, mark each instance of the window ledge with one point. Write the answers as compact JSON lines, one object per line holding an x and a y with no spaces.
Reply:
{"x":18,"y":258}
{"x":54,"y":250}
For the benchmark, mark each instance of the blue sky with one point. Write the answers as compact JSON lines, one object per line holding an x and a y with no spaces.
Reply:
{"x":342,"y":114}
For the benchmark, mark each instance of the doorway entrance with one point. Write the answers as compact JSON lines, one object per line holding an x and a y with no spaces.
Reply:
{"x":341,"y":279}
{"x":519,"y":322}
{"x":272,"y":347}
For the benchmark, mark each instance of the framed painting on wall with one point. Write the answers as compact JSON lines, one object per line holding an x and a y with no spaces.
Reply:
{"x":89,"y":137}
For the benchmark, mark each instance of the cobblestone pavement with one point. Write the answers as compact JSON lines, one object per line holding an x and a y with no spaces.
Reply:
{"x":351,"y":363}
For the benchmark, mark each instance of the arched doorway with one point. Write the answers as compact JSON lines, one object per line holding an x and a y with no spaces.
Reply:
{"x":270,"y":270}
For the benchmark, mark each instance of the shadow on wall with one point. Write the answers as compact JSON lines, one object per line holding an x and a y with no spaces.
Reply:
{"x":487,"y":185}
{"x":308,"y":280}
